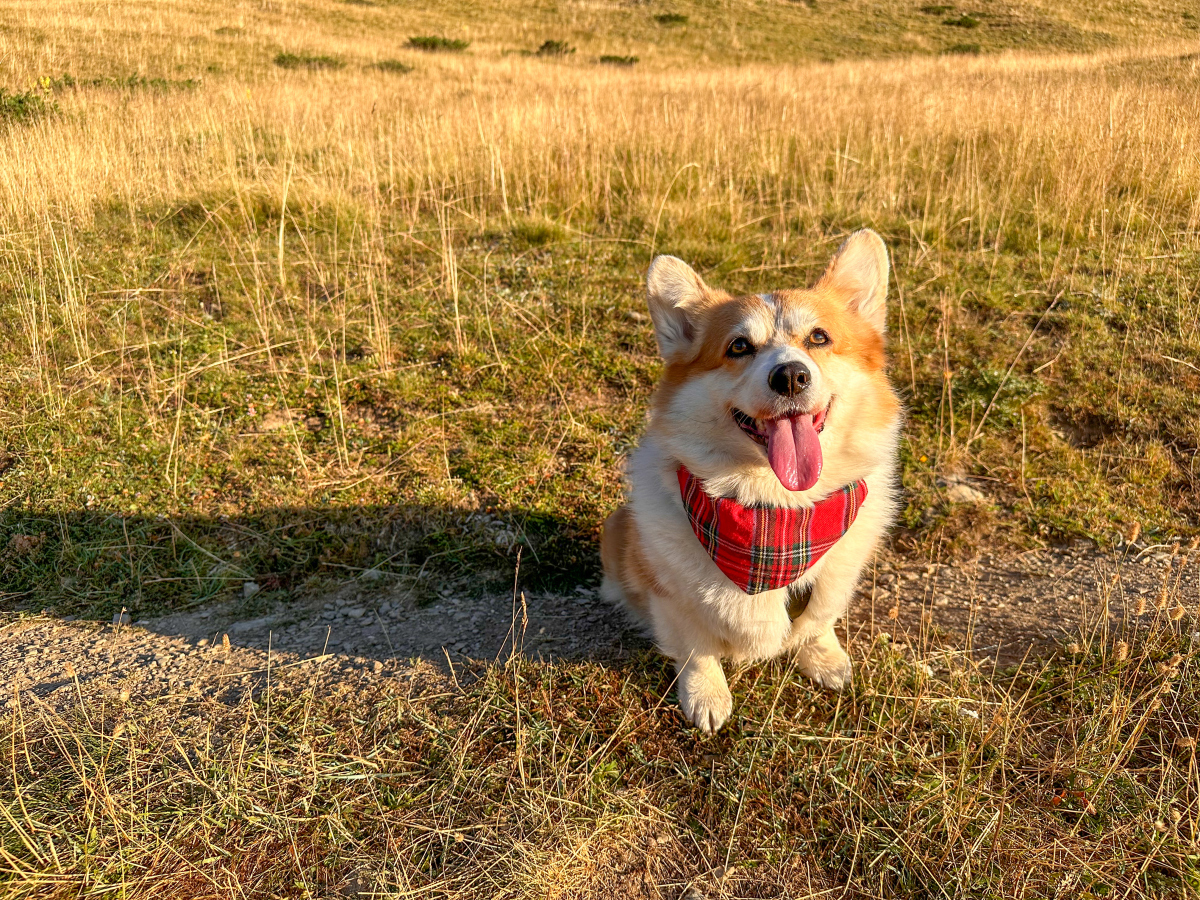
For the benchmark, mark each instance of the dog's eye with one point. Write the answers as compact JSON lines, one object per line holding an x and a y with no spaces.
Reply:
{"x":819,"y":337}
{"x":739,"y":347}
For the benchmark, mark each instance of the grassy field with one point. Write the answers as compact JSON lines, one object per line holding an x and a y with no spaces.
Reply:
{"x":275,"y":321}
{"x":290,"y":290}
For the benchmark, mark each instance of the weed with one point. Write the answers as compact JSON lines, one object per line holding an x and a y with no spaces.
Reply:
{"x":393,"y":66}
{"x":937,"y":9}
{"x":436,"y":43}
{"x":311,"y":61}
{"x":671,"y":19}
{"x":612,"y":60}
{"x":555,"y":48}
{"x":22,"y":108}
{"x":964,"y":49}
{"x":964,"y":21}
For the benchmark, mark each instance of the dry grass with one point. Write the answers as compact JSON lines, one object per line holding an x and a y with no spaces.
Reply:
{"x":929,"y":778}
{"x":985,"y":142}
{"x":282,"y":323}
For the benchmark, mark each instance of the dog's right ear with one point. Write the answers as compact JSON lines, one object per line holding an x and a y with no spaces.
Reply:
{"x":673,"y":291}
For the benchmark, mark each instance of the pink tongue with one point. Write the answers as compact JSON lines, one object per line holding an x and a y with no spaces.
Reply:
{"x":794,"y":451}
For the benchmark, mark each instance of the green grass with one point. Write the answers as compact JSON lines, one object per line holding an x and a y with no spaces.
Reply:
{"x":524,"y":407}
{"x":313,"y":61}
{"x":19,"y":108}
{"x":555,"y":48}
{"x":438,"y":44}
{"x":66,"y":81}
{"x":963,"y":21}
{"x":393,"y":66}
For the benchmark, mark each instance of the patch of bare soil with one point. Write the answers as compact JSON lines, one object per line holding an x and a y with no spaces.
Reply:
{"x":1003,"y":609}
{"x":1009,"y":607}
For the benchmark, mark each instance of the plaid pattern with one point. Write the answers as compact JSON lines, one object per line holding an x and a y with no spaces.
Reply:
{"x":765,"y":548}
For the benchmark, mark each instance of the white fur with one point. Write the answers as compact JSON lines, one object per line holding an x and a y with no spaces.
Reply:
{"x":697,"y":616}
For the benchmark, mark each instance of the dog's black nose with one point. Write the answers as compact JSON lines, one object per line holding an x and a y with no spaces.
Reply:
{"x":789,"y":379}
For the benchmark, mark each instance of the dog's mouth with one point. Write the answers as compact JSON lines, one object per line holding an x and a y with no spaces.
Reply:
{"x":792,"y":442}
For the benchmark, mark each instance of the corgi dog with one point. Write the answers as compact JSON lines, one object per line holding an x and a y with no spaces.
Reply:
{"x":766,"y":475}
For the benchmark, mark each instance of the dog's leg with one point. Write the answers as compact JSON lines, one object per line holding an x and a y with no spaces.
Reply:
{"x":622,"y":561}
{"x":703,"y":692}
{"x":682,"y":634}
{"x":824,"y":661}
{"x":813,"y":640}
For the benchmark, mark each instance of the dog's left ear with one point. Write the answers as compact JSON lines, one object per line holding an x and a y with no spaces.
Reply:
{"x":859,"y":272}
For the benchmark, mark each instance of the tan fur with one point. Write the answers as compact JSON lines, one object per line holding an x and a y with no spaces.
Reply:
{"x":621,"y":554}
{"x":652,"y":560}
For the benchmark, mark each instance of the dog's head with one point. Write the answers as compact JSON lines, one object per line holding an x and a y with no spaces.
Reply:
{"x":790,"y":383}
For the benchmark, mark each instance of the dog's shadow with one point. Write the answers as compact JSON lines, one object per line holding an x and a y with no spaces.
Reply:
{"x":373,"y":584}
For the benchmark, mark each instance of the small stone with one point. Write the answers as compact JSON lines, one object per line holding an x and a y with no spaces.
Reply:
{"x":122,"y":618}
{"x":371,"y":576}
{"x":254,"y":624}
{"x":249,"y":589}
{"x":378,"y":667}
{"x":356,"y":612}
{"x":961,"y":492}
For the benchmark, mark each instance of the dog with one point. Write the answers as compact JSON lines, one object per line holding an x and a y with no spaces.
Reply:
{"x":766,"y":476}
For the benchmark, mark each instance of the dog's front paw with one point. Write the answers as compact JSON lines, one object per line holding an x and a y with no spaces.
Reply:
{"x":825,"y":662}
{"x":704,"y":694}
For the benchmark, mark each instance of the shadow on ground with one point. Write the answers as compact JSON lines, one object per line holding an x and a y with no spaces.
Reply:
{"x":396,"y":585}
{"x":381,"y":583}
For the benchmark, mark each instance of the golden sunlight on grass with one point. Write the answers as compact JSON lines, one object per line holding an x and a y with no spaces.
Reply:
{"x":1077,"y":136}
{"x":285,"y":298}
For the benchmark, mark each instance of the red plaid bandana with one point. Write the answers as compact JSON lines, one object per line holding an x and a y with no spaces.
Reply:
{"x":765,"y":548}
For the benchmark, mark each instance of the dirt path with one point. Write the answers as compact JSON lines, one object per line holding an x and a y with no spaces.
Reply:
{"x":1001,"y":608}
